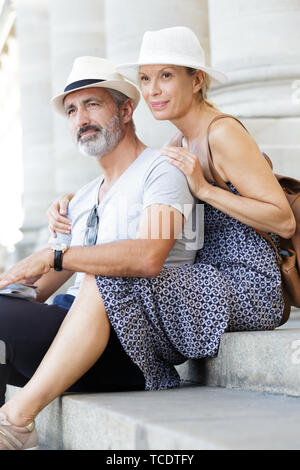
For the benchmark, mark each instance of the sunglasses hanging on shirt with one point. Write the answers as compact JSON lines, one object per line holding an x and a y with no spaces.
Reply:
{"x":92,"y":225}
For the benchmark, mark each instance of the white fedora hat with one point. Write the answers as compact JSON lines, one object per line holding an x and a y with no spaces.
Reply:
{"x":90,"y":72}
{"x":173,"y":46}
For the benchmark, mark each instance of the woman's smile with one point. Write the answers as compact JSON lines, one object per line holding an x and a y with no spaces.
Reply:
{"x":158,"y":104}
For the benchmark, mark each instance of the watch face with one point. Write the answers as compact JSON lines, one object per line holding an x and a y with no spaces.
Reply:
{"x":59,"y":246}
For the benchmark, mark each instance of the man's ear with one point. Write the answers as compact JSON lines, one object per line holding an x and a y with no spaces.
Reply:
{"x":127,"y":111}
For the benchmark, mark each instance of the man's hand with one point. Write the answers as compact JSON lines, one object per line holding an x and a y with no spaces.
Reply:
{"x":29,"y":270}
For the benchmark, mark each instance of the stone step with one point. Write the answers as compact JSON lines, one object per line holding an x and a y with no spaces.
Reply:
{"x":214,"y":416}
{"x":192,"y":417}
{"x":266,"y":361}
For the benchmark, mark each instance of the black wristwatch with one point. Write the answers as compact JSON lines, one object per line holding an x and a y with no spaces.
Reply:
{"x":58,"y":250}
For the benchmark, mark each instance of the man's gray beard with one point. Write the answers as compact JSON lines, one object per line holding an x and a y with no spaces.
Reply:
{"x":102,"y":143}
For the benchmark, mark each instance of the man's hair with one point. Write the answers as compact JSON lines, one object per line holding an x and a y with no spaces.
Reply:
{"x":119,"y":99}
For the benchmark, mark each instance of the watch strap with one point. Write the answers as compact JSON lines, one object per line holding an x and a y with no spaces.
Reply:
{"x":58,"y":260}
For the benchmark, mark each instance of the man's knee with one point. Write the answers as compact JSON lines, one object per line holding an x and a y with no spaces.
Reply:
{"x":89,"y":282}
{"x":89,"y":290}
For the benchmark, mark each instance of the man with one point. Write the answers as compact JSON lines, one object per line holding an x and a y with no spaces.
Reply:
{"x":98,"y":104}
{"x":112,"y":140}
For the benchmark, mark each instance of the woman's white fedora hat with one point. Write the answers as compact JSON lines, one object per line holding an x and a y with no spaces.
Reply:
{"x":173,"y":46}
{"x":90,"y":72}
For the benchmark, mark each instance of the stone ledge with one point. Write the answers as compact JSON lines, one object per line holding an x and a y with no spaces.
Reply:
{"x":188,"y":418}
{"x":266,"y":361}
{"x":194,"y":416}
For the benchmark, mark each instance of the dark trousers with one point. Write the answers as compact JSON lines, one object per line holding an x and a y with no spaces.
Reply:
{"x":27,"y":330}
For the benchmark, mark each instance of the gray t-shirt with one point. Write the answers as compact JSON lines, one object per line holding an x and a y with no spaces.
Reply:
{"x":149,"y":180}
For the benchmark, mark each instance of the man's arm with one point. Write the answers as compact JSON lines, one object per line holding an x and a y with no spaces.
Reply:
{"x":165,"y":189}
{"x":142,"y":257}
{"x":159,"y":228}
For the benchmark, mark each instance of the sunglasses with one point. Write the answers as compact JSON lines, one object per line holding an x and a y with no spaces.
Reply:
{"x":92,"y":225}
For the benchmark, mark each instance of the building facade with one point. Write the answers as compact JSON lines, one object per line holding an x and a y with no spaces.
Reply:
{"x":257,"y":44}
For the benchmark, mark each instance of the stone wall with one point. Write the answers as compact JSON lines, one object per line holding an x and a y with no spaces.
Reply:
{"x":258,"y":45}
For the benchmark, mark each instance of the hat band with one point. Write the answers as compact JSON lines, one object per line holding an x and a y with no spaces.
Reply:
{"x":82,"y":83}
{"x":171,"y":59}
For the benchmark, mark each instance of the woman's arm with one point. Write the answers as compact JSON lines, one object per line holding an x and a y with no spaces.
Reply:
{"x":50,"y":282}
{"x":237,"y":158}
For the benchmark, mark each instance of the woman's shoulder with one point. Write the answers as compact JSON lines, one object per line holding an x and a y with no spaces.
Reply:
{"x":226,"y":126}
{"x":232,"y":146}
{"x":228,"y":137}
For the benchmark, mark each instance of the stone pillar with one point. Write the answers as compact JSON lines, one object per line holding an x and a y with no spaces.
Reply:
{"x":11,"y":175}
{"x":77,"y":29}
{"x":124,"y":36}
{"x":258,"y":45}
{"x":3,"y":255}
{"x":32,"y":30}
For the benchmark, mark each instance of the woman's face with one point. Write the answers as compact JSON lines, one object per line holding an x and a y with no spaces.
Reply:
{"x":167,"y":89}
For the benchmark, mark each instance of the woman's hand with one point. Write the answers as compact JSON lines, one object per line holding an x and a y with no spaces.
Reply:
{"x":189,"y":164}
{"x":56,"y":215}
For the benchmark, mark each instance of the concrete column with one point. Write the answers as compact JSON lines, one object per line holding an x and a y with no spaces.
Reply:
{"x":257,"y":44}
{"x":11,"y":175}
{"x":126,"y":23}
{"x":32,"y":30}
{"x":77,"y":29}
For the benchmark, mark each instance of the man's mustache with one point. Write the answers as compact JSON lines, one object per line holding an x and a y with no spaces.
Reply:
{"x":82,"y":130}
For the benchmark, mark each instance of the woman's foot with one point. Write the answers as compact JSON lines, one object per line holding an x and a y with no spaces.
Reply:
{"x":17,"y":411}
{"x":17,"y":437}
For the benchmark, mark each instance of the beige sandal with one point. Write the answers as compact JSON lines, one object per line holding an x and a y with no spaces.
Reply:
{"x":17,"y":437}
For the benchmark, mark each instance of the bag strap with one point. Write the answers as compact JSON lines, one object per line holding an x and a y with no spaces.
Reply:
{"x":212,"y":167}
{"x":220,"y":182}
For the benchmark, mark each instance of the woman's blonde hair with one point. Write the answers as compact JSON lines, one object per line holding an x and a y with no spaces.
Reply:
{"x":205,"y":87}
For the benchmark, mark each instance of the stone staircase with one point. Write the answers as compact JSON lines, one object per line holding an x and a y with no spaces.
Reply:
{"x":246,"y":398}
{"x":265,"y":361}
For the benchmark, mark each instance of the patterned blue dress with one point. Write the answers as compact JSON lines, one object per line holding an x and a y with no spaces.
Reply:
{"x":234,"y":285}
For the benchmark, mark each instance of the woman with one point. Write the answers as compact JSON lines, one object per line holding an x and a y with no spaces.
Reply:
{"x":235,"y":283}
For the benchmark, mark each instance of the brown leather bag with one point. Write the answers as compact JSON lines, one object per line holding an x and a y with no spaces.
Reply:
{"x":288,"y":257}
